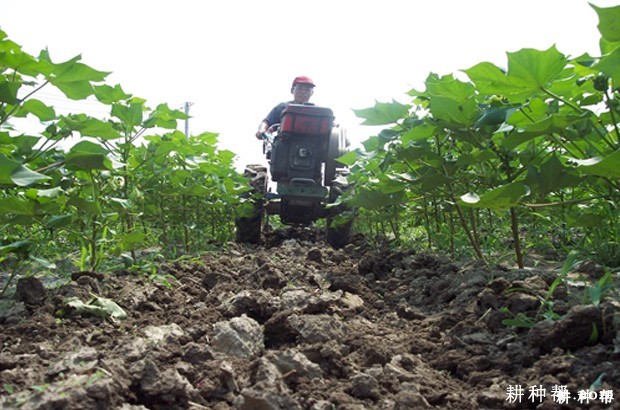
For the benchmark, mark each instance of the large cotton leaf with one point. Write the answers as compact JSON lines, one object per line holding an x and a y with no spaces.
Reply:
{"x":8,"y":91}
{"x":39,"y":109}
{"x":449,"y":87}
{"x":556,"y":123}
{"x":502,"y":197}
{"x":23,"y":176}
{"x":17,"y":206}
{"x":609,"y":22}
{"x":610,"y":66}
{"x":534,"y":67}
{"x":459,"y":113}
{"x":87,"y":155}
{"x":605,"y":167}
{"x":551,"y":176}
{"x":73,"y":78}
{"x":130,"y":115}
{"x":383,"y":113}
{"x":130,"y":240}
{"x":91,"y":127}
{"x":14,"y":173}
{"x":490,"y":79}
{"x":108,"y":94}
{"x":528,"y":71}
{"x":375,"y":199}
{"x":164,"y":117}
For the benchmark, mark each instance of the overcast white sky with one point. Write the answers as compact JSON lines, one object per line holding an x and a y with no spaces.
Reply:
{"x":235,"y":59}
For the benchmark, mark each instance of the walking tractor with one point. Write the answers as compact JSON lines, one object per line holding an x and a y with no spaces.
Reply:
{"x":302,"y":151}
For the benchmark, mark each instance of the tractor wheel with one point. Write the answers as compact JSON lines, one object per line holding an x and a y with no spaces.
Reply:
{"x":337,"y":146}
{"x":249,"y":227}
{"x":339,"y":229}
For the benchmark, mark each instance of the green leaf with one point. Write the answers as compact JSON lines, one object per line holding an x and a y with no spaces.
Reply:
{"x":38,"y":109}
{"x":8,"y":91}
{"x":130,"y":115}
{"x":494,"y":116}
{"x":609,"y":22}
{"x":432,"y":180}
{"x":22,"y":176}
{"x":556,"y":123}
{"x":589,"y":220}
{"x":74,"y":79}
{"x":165,"y":117}
{"x":604,"y":167}
{"x":594,"y":334}
{"x":534,"y":67}
{"x":502,"y":197}
{"x":50,"y":193}
{"x":449,"y":87}
{"x":610,"y":66}
{"x":520,"y":321}
{"x":108,"y":95}
{"x":16,"y":247}
{"x":13,"y":57}
{"x":534,"y":111}
{"x":460,"y":113}
{"x":17,"y":206}
{"x":416,"y":152}
{"x":551,"y":177}
{"x":93,"y":127}
{"x":97,"y":306}
{"x":58,"y":221}
{"x":608,"y":46}
{"x":528,"y":71}
{"x":87,"y":155}
{"x":383,"y":113}
{"x":375,"y":199}
{"x":12,"y":172}
{"x":490,"y":80}
{"x":86,"y":206}
{"x":371,"y":144}
{"x":476,"y":157}
{"x":419,"y":133}
{"x":348,"y":159}
{"x":130,"y":240}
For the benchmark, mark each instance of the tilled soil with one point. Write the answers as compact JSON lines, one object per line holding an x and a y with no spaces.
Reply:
{"x":295,"y":324}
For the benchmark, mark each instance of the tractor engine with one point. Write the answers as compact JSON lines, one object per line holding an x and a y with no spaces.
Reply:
{"x":297,"y":157}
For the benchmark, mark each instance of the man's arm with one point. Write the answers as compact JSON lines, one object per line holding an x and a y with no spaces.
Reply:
{"x":262,"y":128}
{"x":272,"y":118}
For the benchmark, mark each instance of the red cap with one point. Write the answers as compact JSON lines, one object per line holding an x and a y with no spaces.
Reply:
{"x":302,"y":79}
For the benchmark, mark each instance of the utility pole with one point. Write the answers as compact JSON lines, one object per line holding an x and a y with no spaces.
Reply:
{"x":187,"y":105}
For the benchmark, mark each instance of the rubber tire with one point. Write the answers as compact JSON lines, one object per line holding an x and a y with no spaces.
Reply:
{"x":249,"y":229}
{"x":337,"y":146}
{"x":338,"y":236}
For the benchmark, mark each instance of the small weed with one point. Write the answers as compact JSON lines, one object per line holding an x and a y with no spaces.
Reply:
{"x":545,"y":312}
{"x":600,"y":291}
{"x":94,"y":378}
{"x":41,"y":388}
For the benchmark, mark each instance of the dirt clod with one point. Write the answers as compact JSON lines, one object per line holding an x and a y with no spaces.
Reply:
{"x":31,"y":291}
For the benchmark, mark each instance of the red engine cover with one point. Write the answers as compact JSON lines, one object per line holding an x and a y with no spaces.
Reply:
{"x":307,"y":120}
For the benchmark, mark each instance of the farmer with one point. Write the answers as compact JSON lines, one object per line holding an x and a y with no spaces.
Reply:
{"x":302,"y":90}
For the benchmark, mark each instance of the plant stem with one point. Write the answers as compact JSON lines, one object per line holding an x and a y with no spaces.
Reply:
{"x":471,"y":238}
{"x":568,"y":103}
{"x":613,"y":117}
{"x":514,"y":223}
{"x":19,"y":102}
